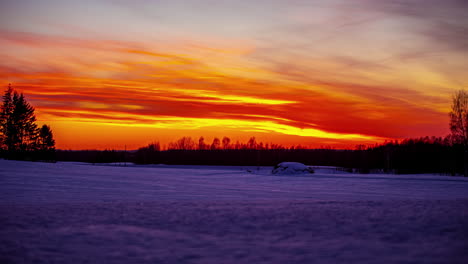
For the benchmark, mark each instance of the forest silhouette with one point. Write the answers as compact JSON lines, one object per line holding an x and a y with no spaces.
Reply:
{"x":420,"y":155}
{"x":444,"y":155}
{"x":21,"y":138}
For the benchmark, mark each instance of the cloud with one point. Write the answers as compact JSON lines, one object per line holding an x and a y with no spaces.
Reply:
{"x":443,"y":23}
{"x":334,"y":77}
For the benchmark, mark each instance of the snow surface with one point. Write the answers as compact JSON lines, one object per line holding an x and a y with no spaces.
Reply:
{"x":291,"y":168}
{"x":77,"y":213}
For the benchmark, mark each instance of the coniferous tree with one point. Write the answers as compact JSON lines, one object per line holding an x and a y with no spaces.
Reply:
{"x":46,"y":139}
{"x":45,"y":143}
{"x":25,"y":129}
{"x":6,"y":126}
{"x":19,"y":135}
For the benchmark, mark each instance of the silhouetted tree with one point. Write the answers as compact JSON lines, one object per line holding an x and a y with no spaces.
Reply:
{"x":238,"y":145}
{"x":18,"y":128}
{"x":252,"y":144}
{"x":6,"y":126}
{"x":184,"y":143}
{"x":25,"y":129}
{"x":226,"y":142}
{"x":46,"y":143}
{"x":19,"y":135}
{"x":459,"y":123}
{"x":46,"y":138}
{"x":216,"y":143}
{"x":154,"y":147}
{"x":148,"y":154}
{"x":201,"y":143}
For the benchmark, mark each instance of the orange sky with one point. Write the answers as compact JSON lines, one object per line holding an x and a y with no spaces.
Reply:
{"x":115,"y":73}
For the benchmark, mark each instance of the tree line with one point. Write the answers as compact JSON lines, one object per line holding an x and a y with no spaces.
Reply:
{"x":20,"y":137}
{"x":445,"y":155}
{"x":418,"y":155}
{"x":187,"y":143}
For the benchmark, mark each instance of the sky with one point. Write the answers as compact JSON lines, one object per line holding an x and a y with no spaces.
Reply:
{"x":125,"y":73}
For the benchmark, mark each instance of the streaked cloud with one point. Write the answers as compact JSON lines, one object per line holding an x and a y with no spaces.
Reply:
{"x":345,"y":70}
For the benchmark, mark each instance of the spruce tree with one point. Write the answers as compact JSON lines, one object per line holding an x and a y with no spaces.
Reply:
{"x":6,"y":120}
{"x":19,"y":135}
{"x":46,"y":139}
{"x":25,"y":128}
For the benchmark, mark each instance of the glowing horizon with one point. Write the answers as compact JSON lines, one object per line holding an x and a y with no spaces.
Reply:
{"x":110,"y":73}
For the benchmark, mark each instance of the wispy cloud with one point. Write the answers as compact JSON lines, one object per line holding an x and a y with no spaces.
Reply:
{"x":338,"y":69}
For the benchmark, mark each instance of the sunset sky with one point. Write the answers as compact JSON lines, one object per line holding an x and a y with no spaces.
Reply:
{"x":115,"y":73}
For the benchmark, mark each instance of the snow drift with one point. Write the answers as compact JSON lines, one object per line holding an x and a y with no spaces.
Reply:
{"x":291,"y":168}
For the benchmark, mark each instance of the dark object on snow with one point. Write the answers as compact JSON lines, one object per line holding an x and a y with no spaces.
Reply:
{"x":288,"y":168}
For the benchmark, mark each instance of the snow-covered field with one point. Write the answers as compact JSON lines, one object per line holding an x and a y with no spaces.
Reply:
{"x":80,"y":213}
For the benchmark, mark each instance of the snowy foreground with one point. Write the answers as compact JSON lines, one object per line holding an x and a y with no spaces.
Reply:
{"x":80,"y":213}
